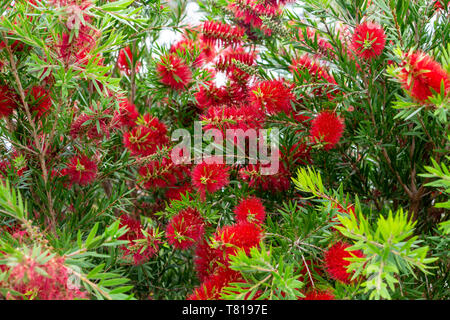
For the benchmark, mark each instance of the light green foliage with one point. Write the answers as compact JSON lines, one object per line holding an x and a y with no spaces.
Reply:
{"x":389,"y":248}
{"x":389,"y":245}
{"x":266,"y":277}
{"x":441,"y":174}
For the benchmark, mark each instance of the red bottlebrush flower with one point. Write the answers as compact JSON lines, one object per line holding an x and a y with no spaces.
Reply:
{"x":125,"y":61}
{"x":439,"y":4}
{"x":222,"y":118}
{"x":43,"y":281}
{"x":319,"y":295}
{"x":215,"y":31}
{"x":85,"y":126}
{"x":242,"y":235}
{"x":140,"y":247}
{"x":335,"y":264}
{"x":274,"y":181}
{"x":234,"y":94}
{"x":211,"y":175}
{"x":127,"y":114}
{"x":76,"y":50}
{"x":226,"y":64}
{"x":188,"y":46}
{"x":211,"y":288}
{"x":161,"y":174}
{"x":173,"y":72}
{"x":317,"y":73}
{"x":7,"y":101}
{"x":175,"y":193}
{"x":146,"y":137}
{"x":368,"y":40}
{"x":327,"y":128}
{"x":271,"y":96}
{"x":250,"y":12}
{"x":185,"y":229}
{"x":205,"y":260}
{"x":250,"y":210}
{"x":208,"y":96}
{"x":80,"y":170}
{"x":421,"y":75}
{"x":208,"y":290}
{"x":41,"y":101}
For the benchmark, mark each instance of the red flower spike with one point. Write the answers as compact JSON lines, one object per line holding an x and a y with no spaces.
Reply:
{"x":368,"y":40}
{"x":185,"y":229}
{"x":8,"y":100}
{"x":335,"y":264}
{"x":327,"y":128}
{"x":218,"y":32}
{"x":242,"y":235}
{"x":250,"y":210}
{"x":161,"y":174}
{"x":80,"y":170}
{"x":173,"y":72}
{"x":271,"y":96}
{"x":210,"y":177}
{"x":319,"y":295}
{"x":140,"y":247}
{"x":421,"y":75}
{"x":41,"y":101}
{"x":146,"y":137}
{"x":43,"y":281}
{"x":127,"y":114}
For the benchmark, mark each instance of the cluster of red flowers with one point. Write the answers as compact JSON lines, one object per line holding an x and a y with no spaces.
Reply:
{"x":77,"y":49}
{"x":422,"y":76}
{"x":185,"y":229}
{"x":210,"y":176}
{"x":327,"y":128}
{"x":212,"y":260}
{"x":250,"y":210}
{"x":40,"y":101}
{"x":80,"y":170}
{"x":8,"y":101}
{"x":249,"y":13}
{"x":48,"y":280}
{"x":262,"y":177}
{"x":368,"y":40}
{"x":174,"y":72}
{"x":162,"y":174}
{"x":215,"y":31}
{"x":146,"y":137}
{"x":127,"y":114}
{"x":142,"y":244}
{"x":272,"y":96}
{"x":336,"y":262}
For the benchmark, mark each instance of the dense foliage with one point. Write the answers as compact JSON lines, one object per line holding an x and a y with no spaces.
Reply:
{"x":353,"y":97}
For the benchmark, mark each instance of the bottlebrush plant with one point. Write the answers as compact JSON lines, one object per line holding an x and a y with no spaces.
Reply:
{"x":313,"y":162}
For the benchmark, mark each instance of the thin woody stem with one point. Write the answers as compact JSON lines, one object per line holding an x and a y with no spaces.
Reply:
{"x":38,"y":143}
